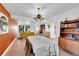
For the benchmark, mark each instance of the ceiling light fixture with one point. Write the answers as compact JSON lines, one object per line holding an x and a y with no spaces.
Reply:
{"x":38,"y":17}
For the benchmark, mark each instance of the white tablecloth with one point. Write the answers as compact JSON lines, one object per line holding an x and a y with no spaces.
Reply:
{"x":41,"y":45}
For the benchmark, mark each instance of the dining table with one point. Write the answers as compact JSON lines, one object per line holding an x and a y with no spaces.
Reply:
{"x":42,"y":46}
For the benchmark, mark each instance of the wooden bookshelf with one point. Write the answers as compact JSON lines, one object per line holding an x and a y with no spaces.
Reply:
{"x":76,"y":33}
{"x":67,"y":27}
{"x":70,"y":29}
{"x":69,"y":21}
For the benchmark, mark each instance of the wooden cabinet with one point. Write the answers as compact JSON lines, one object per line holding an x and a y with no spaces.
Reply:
{"x":69,"y":36}
{"x":69,"y":45}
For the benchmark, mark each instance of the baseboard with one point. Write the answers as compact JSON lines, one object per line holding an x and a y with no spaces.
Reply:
{"x":8,"y":47}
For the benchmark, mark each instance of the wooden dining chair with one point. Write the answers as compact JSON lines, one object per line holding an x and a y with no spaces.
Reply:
{"x":28,"y":48}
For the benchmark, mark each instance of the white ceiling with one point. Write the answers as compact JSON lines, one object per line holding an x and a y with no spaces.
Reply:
{"x":26,"y":11}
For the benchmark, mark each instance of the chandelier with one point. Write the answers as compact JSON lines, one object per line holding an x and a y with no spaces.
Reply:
{"x":38,"y":17}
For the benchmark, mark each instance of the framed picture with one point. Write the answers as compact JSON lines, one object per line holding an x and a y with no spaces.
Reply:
{"x":3,"y":24}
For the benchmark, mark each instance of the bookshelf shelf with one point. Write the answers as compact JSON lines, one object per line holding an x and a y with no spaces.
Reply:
{"x":76,"y":33}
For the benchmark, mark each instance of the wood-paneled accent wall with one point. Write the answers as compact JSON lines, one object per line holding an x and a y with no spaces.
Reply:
{"x":7,"y":38}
